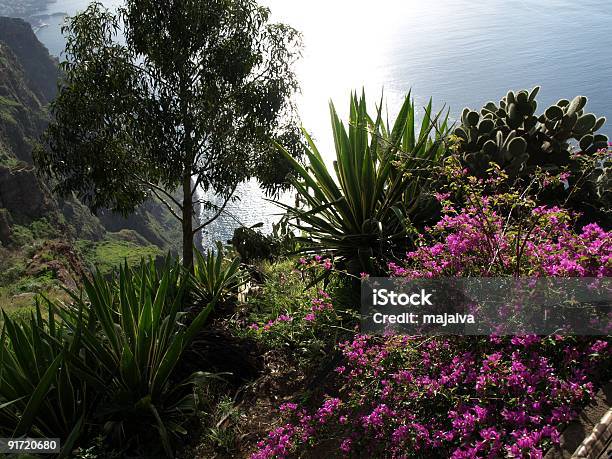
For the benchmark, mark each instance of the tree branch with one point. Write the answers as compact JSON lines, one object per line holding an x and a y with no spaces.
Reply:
{"x":218,"y":214}
{"x":198,"y":182}
{"x":165,"y":203}
{"x":154,"y":187}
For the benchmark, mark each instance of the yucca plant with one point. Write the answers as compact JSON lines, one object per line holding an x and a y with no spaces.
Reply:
{"x":134,"y":330}
{"x":362,"y":214}
{"x":215,"y":275}
{"x":41,"y":394}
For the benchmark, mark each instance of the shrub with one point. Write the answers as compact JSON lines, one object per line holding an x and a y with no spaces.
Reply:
{"x":363,"y":213}
{"x":505,"y":234}
{"x":308,"y":325}
{"x":454,"y":398}
{"x":108,"y":359}
{"x":253,"y":245}
{"x":287,"y":313}
{"x":474,"y":243}
{"x":464,"y":397}
{"x":215,"y":276}
{"x":40,"y":393}
{"x":133,"y":331}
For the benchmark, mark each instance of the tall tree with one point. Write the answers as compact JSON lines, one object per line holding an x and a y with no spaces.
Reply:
{"x":168,"y":95}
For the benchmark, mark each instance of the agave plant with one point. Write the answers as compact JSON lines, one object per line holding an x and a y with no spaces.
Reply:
{"x":214,"y":275}
{"x":41,"y":394}
{"x":135,"y":333}
{"x":363,"y":213}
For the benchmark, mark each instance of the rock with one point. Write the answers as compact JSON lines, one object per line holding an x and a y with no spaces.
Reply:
{"x":5,"y":227}
{"x":22,"y":194}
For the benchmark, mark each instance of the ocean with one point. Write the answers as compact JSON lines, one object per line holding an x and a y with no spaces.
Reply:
{"x":460,"y":52}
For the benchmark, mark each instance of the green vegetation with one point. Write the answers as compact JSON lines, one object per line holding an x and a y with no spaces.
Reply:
{"x":108,"y":357}
{"x":562,"y":141}
{"x":5,"y":102}
{"x":253,"y":245}
{"x":34,"y":232}
{"x":39,"y":395}
{"x":171,"y":114}
{"x":7,"y":110}
{"x":122,"y":352}
{"x":30,"y":267}
{"x":137,"y":362}
{"x":281,"y":293}
{"x":15,"y":305}
{"x":215,"y":275}
{"x":106,"y":255}
{"x":381,"y":171}
{"x":515,"y":138}
{"x":9,"y":160}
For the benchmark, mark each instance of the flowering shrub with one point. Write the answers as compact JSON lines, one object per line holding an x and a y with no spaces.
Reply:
{"x":483,"y":233}
{"x":480,"y":241}
{"x":291,"y":313}
{"x":454,"y":397}
{"x":465,"y":397}
{"x":320,"y":309}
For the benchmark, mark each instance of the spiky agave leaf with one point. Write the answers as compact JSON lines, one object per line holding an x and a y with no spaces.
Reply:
{"x":361,"y":212}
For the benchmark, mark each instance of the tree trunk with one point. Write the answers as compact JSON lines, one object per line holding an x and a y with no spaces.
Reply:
{"x":187,"y":225}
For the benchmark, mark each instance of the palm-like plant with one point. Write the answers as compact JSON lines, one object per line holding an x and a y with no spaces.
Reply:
{"x":40,"y":394}
{"x":363,"y":213}
{"x":215,"y":276}
{"x":107,"y":358}
{"x":135,"y":333}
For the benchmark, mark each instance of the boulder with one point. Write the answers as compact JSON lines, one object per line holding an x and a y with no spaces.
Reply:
{"x":22,"y":194}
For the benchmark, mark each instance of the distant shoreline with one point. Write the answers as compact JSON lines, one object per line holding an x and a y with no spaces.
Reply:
{"x":32,"y":11}
{"x":25,"y":10}
{"x":38,"y":22}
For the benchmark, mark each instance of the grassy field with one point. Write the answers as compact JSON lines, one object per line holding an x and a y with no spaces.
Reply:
{"x":115,"y":250}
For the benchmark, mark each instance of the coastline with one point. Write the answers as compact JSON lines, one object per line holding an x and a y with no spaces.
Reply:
{"x":30,"y":11}
{"x":25,"y":10}
{"x":39,"y":22}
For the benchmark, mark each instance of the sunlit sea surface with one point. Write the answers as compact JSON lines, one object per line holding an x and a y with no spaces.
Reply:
{"x":461,"y":52}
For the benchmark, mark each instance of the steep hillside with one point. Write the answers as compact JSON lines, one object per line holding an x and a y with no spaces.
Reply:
{"x":22,"y":116}
{"x":46,"y":241}
{"x":22,"y":119}
{"x":36,"y":250}
{"x":41,"y":70}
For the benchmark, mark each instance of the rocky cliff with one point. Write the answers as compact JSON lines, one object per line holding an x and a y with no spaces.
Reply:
{"x":42,"y":235}
{"x":22,"y":119}
{"x":41,"y":70}
{"x":22,"y":116}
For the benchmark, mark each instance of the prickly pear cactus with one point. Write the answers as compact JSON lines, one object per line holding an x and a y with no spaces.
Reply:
{"x":602,"y":179}
{"x":513,"y":136}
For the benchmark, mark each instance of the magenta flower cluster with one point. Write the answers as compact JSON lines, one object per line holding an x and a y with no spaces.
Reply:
{"x":479,"y":241}
{"x":316,"y":261}
{"x":463,"y":397}
{"x":319,"y":306}
{"x":271,"y":323}
{"x":460,"y":398}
